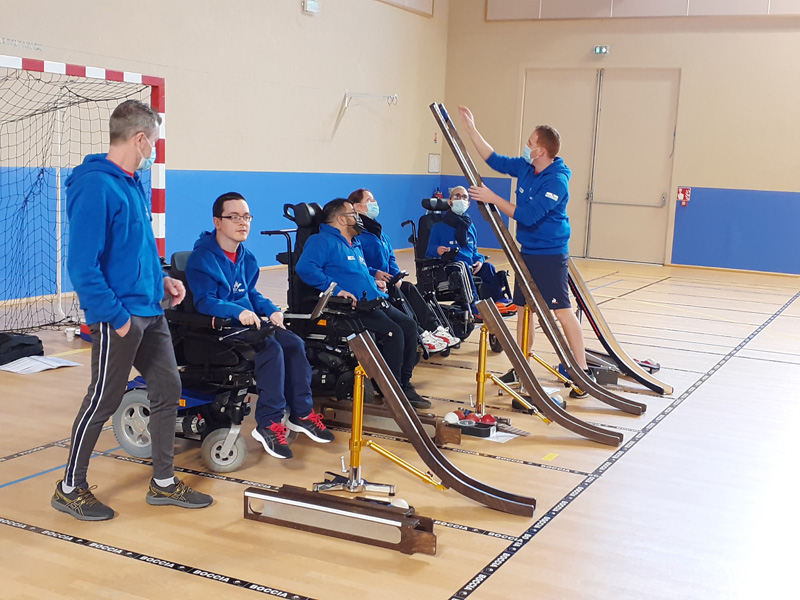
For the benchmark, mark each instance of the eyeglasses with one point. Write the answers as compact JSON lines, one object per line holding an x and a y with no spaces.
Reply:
{"x":459,"y":196}
{"x":353,"y":214}
{"x":238,"y":218}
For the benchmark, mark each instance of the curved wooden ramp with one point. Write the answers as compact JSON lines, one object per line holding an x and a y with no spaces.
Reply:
{"x":603,"y":332}
{"x":533,"y":296}
{"x":363,"y":346}
{"x":541,"y":400}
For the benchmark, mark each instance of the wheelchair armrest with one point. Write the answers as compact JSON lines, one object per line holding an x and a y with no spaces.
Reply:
{"x":283,"y":232}
{"x":197,"y":320}
{"x":396,"y":278}
{"x":248,"y":336}
{"x":427,"y":264}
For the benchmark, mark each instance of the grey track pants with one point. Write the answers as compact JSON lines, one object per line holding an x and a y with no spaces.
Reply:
{"x":148,"y":347}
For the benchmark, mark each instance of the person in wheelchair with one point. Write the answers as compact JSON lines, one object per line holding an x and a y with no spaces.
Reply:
{"x":222,"y":275}
{"x":334,"y":255}
{"x":382,"y":264}
{"x":456,"y":234}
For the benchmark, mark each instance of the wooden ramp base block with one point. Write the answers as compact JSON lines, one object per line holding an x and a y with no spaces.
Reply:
{"x":354,"y":519}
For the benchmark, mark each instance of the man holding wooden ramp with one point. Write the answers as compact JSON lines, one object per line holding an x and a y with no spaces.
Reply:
{"x":542,"y":224}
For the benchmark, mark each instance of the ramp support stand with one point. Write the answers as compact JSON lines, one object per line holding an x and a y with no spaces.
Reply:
{"x":482,"y":376}
{"x":353,"y":482}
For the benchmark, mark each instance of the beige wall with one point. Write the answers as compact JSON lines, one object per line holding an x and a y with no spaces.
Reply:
{"x":256,"y":85}
{"x":738,"y":120}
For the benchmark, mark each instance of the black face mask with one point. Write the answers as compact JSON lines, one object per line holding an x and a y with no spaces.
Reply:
{"x":358,"y":226}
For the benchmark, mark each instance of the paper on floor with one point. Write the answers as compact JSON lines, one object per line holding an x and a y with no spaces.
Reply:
{"x":36,"y":364}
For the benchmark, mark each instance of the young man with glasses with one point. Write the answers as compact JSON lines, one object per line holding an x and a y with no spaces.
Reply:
{"x":222,"y":275}
{"x":334,"y":255}
{"x":456,"y":230}
{"x":115,"y":268}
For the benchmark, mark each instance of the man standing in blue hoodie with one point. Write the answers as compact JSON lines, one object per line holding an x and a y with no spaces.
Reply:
{"x":334,"y":255}
{"x":222,"y":275}
{"x":542,"y":224}
{"x":115,"y":268}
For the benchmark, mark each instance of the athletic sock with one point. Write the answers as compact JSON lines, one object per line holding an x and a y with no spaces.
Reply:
{"x":164,"y":482}
{"x":67,"y":489}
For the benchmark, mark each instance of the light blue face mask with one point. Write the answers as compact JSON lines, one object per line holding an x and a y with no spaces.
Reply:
{"x":459,"y":206}
{"x":373,"y":210}
{"x":526,"y":154}
{"x":146,"y":163}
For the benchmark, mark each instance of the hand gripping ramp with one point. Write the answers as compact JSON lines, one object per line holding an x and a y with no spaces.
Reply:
{"x":363,"y":346}
{"x":532,"y":294}
{"x":601,"y":329}
{"x":540,"y":399}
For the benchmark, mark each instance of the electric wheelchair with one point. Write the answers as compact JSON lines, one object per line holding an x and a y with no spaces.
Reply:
{"x":325,"y":334}
{"x":215,"y":363}
{"x":442,"y":279}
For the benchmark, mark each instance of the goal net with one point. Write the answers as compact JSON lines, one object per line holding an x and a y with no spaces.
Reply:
{"x":48,"y":123}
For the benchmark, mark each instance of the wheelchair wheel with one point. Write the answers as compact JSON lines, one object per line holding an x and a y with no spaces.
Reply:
{"x":445,"y":353}
{"x":344,"y":388}
{"x":494,"y":343}
{"x":211,"y":452}
{"x":130,"y":424}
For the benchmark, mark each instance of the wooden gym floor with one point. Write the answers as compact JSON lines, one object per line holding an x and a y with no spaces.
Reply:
{"x":698,"y":502}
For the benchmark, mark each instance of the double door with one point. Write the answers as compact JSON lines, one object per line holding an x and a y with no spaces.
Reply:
{"x":617,"y":131}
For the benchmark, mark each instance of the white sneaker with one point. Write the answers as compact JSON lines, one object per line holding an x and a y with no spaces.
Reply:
{"x":432,"y":343}
{"x":445,"y":335}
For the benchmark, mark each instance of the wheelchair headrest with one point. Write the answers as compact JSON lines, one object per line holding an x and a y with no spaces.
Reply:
{"x":179,"y":259}
{"x":177,"y":269}
{"x":304,"y":214}
{"x":435,"y":204}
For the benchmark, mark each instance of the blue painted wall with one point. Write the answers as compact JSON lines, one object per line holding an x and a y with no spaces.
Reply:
{"x":739,"y":229}
{"x":190,"y":195}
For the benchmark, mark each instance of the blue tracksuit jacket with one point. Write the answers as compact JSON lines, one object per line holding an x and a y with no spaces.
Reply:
{"x":444,"y":235}
{"x":328,"y":257}
{"x":222,"y":288}
{"x":112,"y":257}
{"x":541,"y":213}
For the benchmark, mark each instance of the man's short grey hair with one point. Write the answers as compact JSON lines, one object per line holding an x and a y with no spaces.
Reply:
{"x":131,"y":117}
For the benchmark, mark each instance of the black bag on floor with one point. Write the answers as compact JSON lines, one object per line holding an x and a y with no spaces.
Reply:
{"x":17,"y":345}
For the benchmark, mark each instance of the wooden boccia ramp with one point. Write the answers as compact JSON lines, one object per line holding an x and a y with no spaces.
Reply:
{"x":353,"y":519}
{"x":534,"y":297}
{"x":366,"y":520}
{"x":537,"y":395}
{"x":366,"y":351}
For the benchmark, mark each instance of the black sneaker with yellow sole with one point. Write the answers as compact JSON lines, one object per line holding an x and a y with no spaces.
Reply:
{"x":177,"y":494}
{"x":81,"y":504}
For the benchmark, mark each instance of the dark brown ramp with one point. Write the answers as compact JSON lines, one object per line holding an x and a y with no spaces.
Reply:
{"x":603,"y":332}
{"x":363,"y":346}
{"x":532,"y":294}
{"x":540,"y":399}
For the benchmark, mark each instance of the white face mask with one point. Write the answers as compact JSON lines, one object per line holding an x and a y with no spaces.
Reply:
{"x":459,"y":206}
{"x":373,"y":210}
{"x":146,"y":161}
{"x":526,"y":154}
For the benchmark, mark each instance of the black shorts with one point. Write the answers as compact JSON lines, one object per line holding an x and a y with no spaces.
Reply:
{"x":551,"y":275}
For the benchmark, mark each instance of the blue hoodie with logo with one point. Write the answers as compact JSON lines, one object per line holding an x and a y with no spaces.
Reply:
{"x":112,"y":257}
{"x":443,"y":234}
{"x":541,"y":212}
{"x":328,"y":257}
{"x":223,"y":288}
